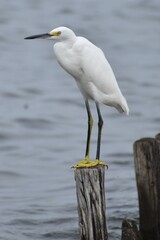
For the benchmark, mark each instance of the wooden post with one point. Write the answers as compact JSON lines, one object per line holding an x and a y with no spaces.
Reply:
{"x":130,"y":230}
{"x":91,"y":203}
{"x":147,"y":164}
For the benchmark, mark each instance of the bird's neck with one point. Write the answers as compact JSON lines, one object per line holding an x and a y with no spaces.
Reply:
{"x":70,"y":42}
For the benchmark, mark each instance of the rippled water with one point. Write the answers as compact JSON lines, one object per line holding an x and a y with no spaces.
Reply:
{"x":43,"y":121}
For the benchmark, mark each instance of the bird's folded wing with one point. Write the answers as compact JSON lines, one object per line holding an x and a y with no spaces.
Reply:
{"x":97,"y":70}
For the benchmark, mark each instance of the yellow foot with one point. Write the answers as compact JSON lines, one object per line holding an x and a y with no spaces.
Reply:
{"x":86,"y":163}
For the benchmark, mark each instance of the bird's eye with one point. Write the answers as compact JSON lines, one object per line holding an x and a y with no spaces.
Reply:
{"x":58,"y":33}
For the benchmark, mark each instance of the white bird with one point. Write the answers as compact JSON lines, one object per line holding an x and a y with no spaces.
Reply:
{"x":93,"y":75}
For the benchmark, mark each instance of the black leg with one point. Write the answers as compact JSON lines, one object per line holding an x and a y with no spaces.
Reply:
{"x":90,"y":124}
{"x":100,"y":125}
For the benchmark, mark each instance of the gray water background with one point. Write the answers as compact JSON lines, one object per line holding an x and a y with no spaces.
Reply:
{"x":43,"y":120}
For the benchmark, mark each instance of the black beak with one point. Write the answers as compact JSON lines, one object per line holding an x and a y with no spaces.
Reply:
{"x":42,"y":36}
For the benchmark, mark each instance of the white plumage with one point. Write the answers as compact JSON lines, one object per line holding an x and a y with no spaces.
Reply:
{"x":93,"y":75}
{"x":91,"y":70}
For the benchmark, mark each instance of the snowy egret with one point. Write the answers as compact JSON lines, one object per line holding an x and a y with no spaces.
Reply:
{"x":93,"y":75}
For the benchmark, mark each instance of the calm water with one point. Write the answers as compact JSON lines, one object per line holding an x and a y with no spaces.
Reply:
{"x":43,"y":121}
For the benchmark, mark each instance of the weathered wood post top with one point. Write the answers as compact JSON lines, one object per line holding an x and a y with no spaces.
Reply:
{"x":147,"y":163}
{"x":91,"y":202}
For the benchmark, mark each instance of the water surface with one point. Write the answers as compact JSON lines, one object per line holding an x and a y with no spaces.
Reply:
{"x":43,"y":120}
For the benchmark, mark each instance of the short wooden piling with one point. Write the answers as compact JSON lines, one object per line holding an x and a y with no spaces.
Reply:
{"x":147,"y":164}
{"x":130,"y":230}
{"x":91,"y":203}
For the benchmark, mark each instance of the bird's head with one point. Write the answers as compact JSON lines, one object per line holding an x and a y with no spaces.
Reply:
{"x":59,"y":34}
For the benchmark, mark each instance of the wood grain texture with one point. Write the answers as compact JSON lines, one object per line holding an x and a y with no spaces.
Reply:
{"x":147,"y":164}
{"x":91,"y":203}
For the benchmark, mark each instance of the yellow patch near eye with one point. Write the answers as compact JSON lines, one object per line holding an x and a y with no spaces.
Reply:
{"x":55,"y":33}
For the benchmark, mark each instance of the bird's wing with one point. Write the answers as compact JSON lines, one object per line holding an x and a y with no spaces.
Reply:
{"x":97,"y":80}
{"x":96,"y":67}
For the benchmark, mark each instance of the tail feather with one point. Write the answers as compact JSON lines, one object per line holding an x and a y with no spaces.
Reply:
{"x":124,"y":106}
{"x":119,"y":102}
